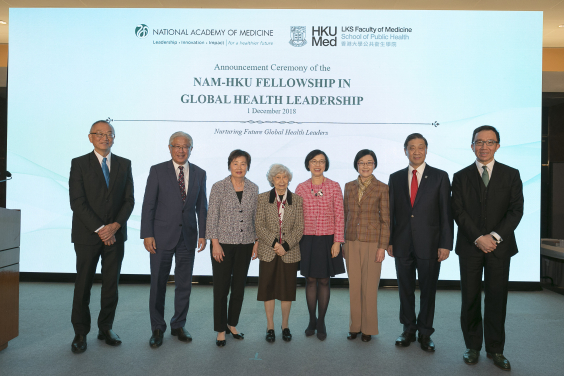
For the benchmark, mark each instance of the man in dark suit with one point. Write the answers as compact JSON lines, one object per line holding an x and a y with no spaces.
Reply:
{"x":487,"y":204}
{"x":421,"y":237}
{"x":101,"y":199}
{"x":173,"y":223}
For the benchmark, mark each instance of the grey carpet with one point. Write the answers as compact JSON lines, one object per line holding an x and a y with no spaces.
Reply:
{"x":535,"y":338}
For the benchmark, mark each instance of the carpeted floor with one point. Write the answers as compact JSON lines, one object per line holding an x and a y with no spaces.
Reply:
{"x":534,"y":344}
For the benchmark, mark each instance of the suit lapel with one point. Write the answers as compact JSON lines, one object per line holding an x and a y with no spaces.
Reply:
{"x":191,"y":182}
{"x":114,"y":170}
{"x":427,"y":173}
{"x":404,"y":186}
{"x":172,"y":177}
{"x":95,"y":164}
{"x":371,"y":188}
{"x":474,"y":177}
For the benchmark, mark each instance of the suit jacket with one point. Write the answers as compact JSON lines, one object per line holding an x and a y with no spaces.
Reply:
{"x":479,"y":210}
{"x":369,"y":219}
{"x":268,"y":228}
{"x":164,"y":216}
{"x":428,"y":224}
{"x":93,"y":204}
{"x":230,"y":221}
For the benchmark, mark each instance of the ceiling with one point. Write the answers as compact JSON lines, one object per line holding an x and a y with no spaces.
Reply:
{"x":553,"y":36}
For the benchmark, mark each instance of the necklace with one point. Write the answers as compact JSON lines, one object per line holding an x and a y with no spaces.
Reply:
{"x":320,"y":192}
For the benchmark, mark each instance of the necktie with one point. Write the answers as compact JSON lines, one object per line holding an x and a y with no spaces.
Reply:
{"x":181,"y":183}
{"x":106,"y":172}
{"x":414,"y":187}
{"x":485,"y":176}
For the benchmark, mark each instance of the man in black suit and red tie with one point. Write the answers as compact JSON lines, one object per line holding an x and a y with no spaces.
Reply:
{"x":487,"y":204}
{"x":421,"y":238}
{"x":101,"y":199}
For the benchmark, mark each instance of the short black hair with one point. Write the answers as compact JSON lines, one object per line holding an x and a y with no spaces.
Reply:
{"x":485,"y":128}
{"x":363,"y":153}
{"x":415,"y":136}
{"x":312,"y":154}
{"x":236,"y":154}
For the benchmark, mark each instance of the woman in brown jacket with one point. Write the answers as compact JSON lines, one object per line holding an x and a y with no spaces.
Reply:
{"x":367,"y":233}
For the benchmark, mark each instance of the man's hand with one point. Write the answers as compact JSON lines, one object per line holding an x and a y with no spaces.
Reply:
{"x":202,"y":244}
{"x":391,"y":250}
{"x":335,"y":249}
{"x":108,"y":231}
{"x":111,"y":241}
{"x":217,"y":251}
{"x":280,"y":251}
{"x":150,"y":245}
{"x":255,"y":251}
{"x":380,"y":255}
{"x":486,"y":243}
{"x":443,"y":254}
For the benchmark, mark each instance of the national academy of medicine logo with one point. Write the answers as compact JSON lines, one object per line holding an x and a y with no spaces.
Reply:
{"x":298,"y":34}
{"x":142,"y":31}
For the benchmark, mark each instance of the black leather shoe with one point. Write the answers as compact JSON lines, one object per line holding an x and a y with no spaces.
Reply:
{"x":426,"y":342}
{"x":183,"y":334}
{"x":79,"y":344}
{"x":270,"y":336}
{"x":500,"y":361}
{"x":156,"y":339}
{"x":365,"y":337}
{"x":110,"y":337}
{"x":310,"y":330}
{"x":236,"y":336}
{"x":405,"y":339}
{"x":220,"y":343}
{"x":471,"y":356}
{"x":352,"y":335}
{"x":321,"y":331}
{"x":286,"y":335}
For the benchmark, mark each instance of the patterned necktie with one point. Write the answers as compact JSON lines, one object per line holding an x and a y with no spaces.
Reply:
{"x":485,"y":176}
{"x":414,"y":187}
{"x":181,"y":183}
{"x":106,"y":172}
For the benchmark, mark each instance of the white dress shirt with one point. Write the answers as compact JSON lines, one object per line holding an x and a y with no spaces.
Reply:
{"x":186,"y":172}
{"x":419,"y":174}
{"x":489,"y":168}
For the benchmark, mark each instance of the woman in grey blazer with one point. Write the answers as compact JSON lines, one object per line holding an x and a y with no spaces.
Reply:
{"x":280,"y":226}
{"x":231,"y":228}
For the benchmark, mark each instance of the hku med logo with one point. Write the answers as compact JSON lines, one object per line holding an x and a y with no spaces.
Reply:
{"x":142,"y":31}
{"x":298,"y":36}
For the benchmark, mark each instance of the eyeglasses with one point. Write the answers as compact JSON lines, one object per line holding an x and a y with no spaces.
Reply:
{"x":102,"y":135}
{"x":487,"y":143}
{"x":180,"y":148}
{"x":367,"y":164}
{"x":317,"y":163}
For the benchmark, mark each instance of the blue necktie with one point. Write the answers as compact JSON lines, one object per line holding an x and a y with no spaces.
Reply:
{"x":106,"y":172}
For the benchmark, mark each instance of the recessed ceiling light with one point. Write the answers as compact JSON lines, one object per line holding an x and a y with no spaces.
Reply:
{"x":561,"y":25}
{"x":4,"y":23}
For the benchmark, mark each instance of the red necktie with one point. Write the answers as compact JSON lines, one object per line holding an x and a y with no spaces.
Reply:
{"x":414,"y":187}
{"x":181,"y":183}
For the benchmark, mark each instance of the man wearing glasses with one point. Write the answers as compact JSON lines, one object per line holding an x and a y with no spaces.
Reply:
{"x":487,"y":204}
{"x":101,"y":199}
{"x":173,"y":223}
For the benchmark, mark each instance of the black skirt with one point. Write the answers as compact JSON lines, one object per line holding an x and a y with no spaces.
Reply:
{"x":277,"y":280}
{"x":316,"y":257}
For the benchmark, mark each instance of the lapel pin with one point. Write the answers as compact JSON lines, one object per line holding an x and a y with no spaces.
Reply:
{"x":425,"y":176}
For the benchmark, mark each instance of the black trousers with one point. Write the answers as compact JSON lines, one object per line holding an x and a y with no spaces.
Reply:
{"x":428,"y":273}
{"x":496,"y":280}
{"x":87,"y":257}
{"x":231,"y":272}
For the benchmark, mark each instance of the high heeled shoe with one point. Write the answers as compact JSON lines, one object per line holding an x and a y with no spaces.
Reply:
{"x":220,"y":342}
{"x":235,"y":335}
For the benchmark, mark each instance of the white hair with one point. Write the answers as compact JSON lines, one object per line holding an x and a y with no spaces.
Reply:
{"x":181,"y":134}
{"x":276,"y":169}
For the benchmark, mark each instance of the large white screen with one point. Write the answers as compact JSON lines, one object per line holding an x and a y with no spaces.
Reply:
{"x":412,"y":70}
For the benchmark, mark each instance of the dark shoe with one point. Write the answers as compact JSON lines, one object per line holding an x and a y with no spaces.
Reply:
{"x":236,"y":336}
{"x":156,"y":339}
{"x":310,"y":330}
{"x":405,"y":339}
{"x":110,"y":337}
{"x":220,"y":343}
{"x":352,"y":335}
{"x":500,"y":361}
{"x":270,"y":336}
{"x":471,"y":356}
{"x":426,"y":342}
{"x":321,"y":331}
{"x":183,"y":334}
{"x":78,"y":345}
{"x":286,"y":335}
{"x":365,"y":337}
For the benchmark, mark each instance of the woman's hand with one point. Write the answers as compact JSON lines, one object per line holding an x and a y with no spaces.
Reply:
{"x":280,"y":251}
{"x":335,"y":249}
{"x":380,"y":255}
{"x":255,"y":251}
{"x":217,"y":251}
